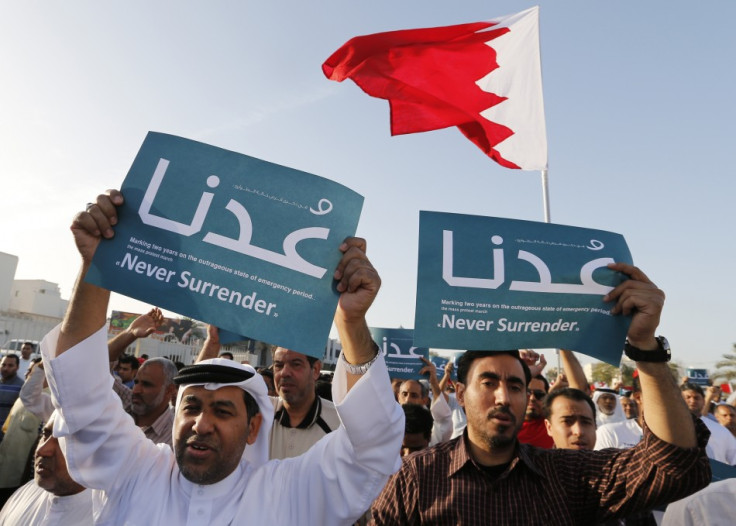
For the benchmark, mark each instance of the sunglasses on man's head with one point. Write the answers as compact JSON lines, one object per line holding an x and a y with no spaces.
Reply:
{"x":538,"y":394}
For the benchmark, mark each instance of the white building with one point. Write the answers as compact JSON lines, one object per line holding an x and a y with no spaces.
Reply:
{"x":38,"y":297}
{"x":28,"y":308}
{"x":8,"y":264}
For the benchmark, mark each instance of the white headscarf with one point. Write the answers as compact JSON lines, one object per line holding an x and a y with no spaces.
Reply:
{"x":255,"y":454}
{"x":618,"y":413}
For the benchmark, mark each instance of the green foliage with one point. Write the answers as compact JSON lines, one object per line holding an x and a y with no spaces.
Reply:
{"x":725,"y":369}
{"x":551,"y":374}
{"x":604,"y":372}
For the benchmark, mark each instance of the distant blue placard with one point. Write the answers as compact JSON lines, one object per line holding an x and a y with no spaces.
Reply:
{"x":403,"y":360}
{"x":698,"y":376}
{"x":491,"y":283}
{"x":440,"y":362}
{"x":231,"y":240}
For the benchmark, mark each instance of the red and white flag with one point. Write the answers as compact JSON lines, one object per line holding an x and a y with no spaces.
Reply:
{"x":484,"y":77}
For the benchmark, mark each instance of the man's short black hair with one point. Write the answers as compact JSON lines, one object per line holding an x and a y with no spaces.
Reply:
{"x":544,"y":381}
{"x":15,"y":356}
{"x":566,"y":392}
{"x":251,"y":406}
{"x":689,"y":386}
{"x":311,"y":359}
{"x":418,"y":420}
{"x":265,"y":371}
{"x":129,"y":359}
{"x":423,"y":389}
{"x":227,"y":353}
{"x":468,"y":357}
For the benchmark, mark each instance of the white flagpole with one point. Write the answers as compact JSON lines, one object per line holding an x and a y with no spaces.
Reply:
{"x":545,"y":195}
{"x":545,"y":199}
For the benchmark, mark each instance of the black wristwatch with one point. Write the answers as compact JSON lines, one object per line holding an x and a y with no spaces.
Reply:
{"x":661,"y":354}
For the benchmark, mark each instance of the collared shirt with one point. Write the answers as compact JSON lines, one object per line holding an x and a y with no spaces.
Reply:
{"x":444,"y":485}
{"x":33,"y":506}
{"x":287,"y":441}
{"x":333,"y":483}
{"x":160,"y":431}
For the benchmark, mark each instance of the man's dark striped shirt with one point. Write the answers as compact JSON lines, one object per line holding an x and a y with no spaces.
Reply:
{"x":443,"y":485}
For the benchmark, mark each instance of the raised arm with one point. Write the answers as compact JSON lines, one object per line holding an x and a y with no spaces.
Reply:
{"x":431,"y":370}
{"x":574,"y":371}
{"x":32,"y":395}
{"x":104,"y":448}
{"x":712,"y":396}
{"x":358,"y":283}
{"x":446,"y":377}
{"x":141,"y":327}
{"x":665,"y":412}
{"x":87,"y":310}
{"x":211,"y":347}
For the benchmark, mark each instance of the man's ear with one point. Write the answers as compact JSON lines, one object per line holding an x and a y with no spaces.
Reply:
{"x":548,"y":426}
{"x":317,"y":369}
{"x":460,"y":393}
{"x":254,"y":425}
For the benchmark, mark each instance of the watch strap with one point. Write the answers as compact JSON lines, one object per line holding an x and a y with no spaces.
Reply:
{"x":659,"y":355}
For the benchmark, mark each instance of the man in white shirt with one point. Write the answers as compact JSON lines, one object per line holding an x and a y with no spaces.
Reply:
{"x":624,"y":434}
{"x":726,"y":416}
{"x":609,"y":410}
{"x":25,"y":359}
{"x":52,"y":497}
{"x":218,"y":472}
{"x":711,"y":506}
{"x":722,"y":444}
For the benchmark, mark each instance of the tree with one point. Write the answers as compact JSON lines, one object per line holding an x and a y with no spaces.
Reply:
{"x":726,"y":368}
{"x":604,"y":372}
{"x":551,"y":374}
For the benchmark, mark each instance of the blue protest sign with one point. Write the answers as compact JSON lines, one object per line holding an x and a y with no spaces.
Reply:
{"x":403,"y":360}
{"x":698,"y":376}
{"x":244,"y":244}
{"x":491,"y":283}
{"x":440,"y":362}
{"x":227,"y":337}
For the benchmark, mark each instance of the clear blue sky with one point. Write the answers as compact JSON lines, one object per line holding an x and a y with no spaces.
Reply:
{"x":639,"y":106}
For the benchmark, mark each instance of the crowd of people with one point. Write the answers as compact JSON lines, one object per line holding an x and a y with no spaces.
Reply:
{"x":128,"y":441}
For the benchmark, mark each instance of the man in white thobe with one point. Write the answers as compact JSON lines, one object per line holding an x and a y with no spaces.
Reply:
{"x":218,"y":472}
{"x":52,"y":497}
